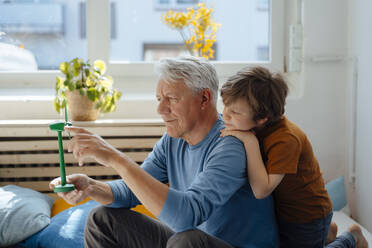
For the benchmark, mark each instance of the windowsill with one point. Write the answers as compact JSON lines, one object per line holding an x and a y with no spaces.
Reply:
{"x":97,"y":123}
{"x":107,"y":127}
{"x":37,"y":104}
{"x":40,"y":94}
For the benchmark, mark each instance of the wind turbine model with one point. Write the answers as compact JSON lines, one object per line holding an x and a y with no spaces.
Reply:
{"x":59,"y":126}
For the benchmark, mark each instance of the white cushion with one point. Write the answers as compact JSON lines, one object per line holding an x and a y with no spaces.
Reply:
{"x":23,"y":212}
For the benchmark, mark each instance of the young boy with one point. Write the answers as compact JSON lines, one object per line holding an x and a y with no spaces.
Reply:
{"x":279,"y":156}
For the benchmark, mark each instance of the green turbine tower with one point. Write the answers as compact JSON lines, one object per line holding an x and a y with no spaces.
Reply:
{"x":60,"y":127}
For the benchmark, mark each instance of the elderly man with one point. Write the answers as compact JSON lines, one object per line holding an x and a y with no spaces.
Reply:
{"x":208,"y":202}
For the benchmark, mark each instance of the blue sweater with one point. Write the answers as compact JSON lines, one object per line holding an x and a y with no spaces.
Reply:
{"x":208,"y":190}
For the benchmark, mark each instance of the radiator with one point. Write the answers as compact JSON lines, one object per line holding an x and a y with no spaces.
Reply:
{"x":29,"y":150}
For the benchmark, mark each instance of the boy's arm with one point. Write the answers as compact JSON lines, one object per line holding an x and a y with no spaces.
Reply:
{"x":262,"y":183}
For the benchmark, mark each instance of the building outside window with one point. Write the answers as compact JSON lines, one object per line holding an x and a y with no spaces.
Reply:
{"x":58,"y":32}
{"x":47,"y":29}
{"x":243,"y":29}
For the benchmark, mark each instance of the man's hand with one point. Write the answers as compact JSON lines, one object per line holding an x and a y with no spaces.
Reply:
{"x":82,"y":188}
{"x":86,"y":145}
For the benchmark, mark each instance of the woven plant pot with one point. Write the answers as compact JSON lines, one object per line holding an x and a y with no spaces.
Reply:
{"x":81,"y":108}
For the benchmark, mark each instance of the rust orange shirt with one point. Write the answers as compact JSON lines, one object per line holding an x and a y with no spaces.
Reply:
{"x":301,"y":196}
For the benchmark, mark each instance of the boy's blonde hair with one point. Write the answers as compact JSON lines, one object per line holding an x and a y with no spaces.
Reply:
{"x":265,"y":92}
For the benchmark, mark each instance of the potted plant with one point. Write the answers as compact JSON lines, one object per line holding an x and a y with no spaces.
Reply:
{"x":86,"y":89}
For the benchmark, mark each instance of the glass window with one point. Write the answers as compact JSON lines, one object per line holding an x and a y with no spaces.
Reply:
{"x":244,"y":34}
{"x":262,"y":53}
{"x":262,"y":5}
{"x":39,"y":35}
{"x":173,"y":4}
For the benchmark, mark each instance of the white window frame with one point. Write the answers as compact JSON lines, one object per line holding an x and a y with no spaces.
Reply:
{"x":137,"y":79}
{"x":172,"y":5}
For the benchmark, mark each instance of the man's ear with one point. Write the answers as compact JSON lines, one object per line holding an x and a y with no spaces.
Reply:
{"x":206,"y":98}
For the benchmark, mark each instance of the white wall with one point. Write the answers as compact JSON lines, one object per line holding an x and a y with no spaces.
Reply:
{"x":361,"y":41}
{"x":325,"y":111}
{"x":321,"y":110}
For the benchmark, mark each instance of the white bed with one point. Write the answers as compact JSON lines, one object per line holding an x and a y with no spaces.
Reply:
{"x":343,"y":222}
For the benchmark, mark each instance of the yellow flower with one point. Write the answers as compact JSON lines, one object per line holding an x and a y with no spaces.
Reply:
{"x":201,"y":28}
{"x":177,"y":20}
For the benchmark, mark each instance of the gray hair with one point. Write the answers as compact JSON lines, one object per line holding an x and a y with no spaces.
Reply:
{"x":198,"y":74}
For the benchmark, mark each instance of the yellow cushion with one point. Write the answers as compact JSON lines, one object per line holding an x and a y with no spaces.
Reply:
{"x":60,"y":205}
{"x":141,"y":209}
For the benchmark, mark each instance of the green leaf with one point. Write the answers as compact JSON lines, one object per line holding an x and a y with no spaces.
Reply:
{"x":64,"y":67}
{"x":92,"y":94}
{"x":117,"y":95}
{"x":90,"y":81}
{"x":82,"y":92}
{"x":57,"y":104}
{"x":78,"y":84}
{"x":81,"y":62}
{"x":77,"y":68}
{"x":112,"y":108}
{"x":59,"y":82}
{"x":87,"y":72}
{"x":108,"y":100}
{"x":100,"y":66}
{"x":71,"y":87}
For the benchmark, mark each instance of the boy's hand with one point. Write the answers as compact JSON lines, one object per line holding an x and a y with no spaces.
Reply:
{"x":247,"y":137}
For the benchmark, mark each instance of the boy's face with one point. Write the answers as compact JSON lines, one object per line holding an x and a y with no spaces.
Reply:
{"x":238,"y":116}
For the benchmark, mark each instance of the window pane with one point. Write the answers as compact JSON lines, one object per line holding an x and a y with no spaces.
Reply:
{"x":141,"y":34}
{"x":39,"y":35}
{"x":186,"y":1}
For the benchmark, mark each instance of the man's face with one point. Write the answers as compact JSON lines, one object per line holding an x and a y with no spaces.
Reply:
{"x":179,"y":107}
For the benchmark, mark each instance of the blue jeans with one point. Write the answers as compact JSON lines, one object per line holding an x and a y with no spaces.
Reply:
{"x":311,"y":235}
{"x":345,"y":240}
